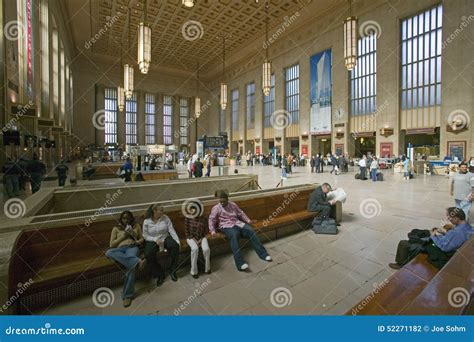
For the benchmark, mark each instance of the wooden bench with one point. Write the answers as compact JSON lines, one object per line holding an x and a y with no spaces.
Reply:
{"x":419,"y":288}
{"x":103,"y":171}
{"x":68,"y":261}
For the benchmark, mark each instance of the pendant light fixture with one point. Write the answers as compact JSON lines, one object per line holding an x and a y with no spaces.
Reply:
{"x":144,"y":43}
{"x":267,"y":65}
{"x":128,"y":68}
{"x":120,"y":90}
{"x":223,"y":85}
{"x":197,"y":100}
{"x":350,"y":39}
{"x":188,"y":3}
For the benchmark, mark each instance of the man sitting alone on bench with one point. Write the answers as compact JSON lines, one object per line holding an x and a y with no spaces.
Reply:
{"x":235,"y":224}
{"x":318,"y":201}
{"x":439,"y":246}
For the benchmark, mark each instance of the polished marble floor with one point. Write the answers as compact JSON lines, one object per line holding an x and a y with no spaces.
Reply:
{"x":311,"y":274}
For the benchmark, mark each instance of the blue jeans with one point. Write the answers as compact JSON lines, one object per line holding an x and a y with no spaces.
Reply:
{"x":246,"y":232}
{"x":373,"y":174}
{"x":128,"y":257}
{"x":465,"y":206}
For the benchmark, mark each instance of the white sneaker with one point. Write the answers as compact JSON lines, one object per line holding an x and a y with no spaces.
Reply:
{"x":244,"y":267}
{"x":268,"y":258}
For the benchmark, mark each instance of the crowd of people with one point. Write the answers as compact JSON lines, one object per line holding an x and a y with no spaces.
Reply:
{"x":18,"y":173}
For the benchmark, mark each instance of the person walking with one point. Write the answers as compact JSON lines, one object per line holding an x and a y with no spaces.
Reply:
{"x":462,"y":188}
{"x":363,"y":167}
{"x":317,"y":164}
{"x":208,"y":166}
{"x":12,"y":172}
{"x":374,"y":167}
{"x":406,"y":168}
{"x":37,"y":170}
{"x":312,"y":163}
{"x":198,"y":167}
{"x":61,"y":170}
{"x":284,"y":168}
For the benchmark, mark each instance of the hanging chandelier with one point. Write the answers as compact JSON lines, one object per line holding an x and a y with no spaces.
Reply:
{"x":120,"y":90}
{"x":223,"y":85}
{"x":188,"y":3}
{"x":267,"y":65}
{"x":350,"y":40}
{"x":128,"y":69}
{"x":120,"y":98}
{"x":197,"y":100}
{"x":144,"y":43}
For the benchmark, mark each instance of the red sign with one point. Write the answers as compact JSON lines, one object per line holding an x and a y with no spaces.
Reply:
{"x":386,"y":150}
{"x":257,"y":149}
{"x":304,"y":150}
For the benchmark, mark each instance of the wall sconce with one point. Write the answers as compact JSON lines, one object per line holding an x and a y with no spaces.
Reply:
{"x":257,"y":140}
{"x":241,"y":141}
{"x":339,"y":135}
{"x":304,"y":136}
{"x":386,"y":132}
{"x":278,"y":138}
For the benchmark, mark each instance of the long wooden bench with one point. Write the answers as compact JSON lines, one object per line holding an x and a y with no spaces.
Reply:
{"x":103,"y":171}
{"x":67,"y":261}
{"x":419,"y":288}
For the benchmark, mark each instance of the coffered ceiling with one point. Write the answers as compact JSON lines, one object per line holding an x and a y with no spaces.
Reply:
{"x":181,"y":36}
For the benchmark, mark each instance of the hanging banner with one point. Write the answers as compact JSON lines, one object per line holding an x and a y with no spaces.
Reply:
{"x":321,"y":89}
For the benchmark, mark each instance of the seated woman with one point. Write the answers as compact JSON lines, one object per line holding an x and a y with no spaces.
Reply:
{"x":159,"y":234}
{"x":124,"y":249}
{"x":196,"y":232}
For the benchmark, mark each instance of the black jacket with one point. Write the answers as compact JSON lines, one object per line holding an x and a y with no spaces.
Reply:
{"x":316,"y":199}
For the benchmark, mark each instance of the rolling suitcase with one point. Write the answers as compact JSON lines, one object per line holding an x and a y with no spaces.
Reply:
{"x":357,"y":176}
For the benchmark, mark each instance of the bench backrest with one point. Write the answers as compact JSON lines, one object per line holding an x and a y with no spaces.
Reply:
{"x":38,"y":248}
